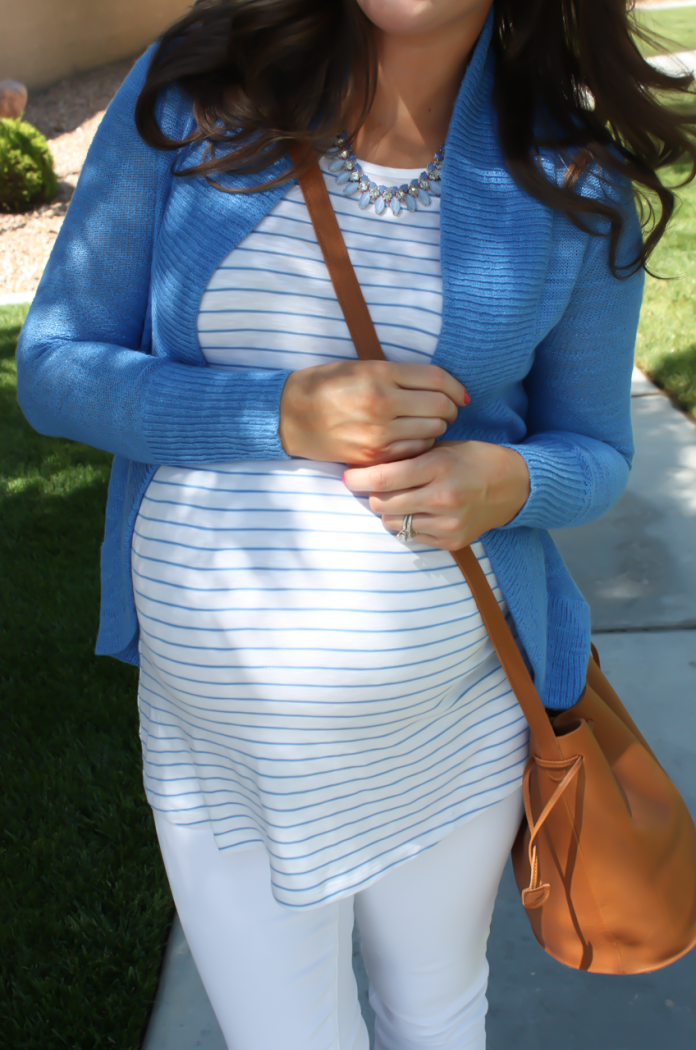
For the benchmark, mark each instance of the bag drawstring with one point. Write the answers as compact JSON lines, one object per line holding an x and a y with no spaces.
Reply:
{"x":537,"y":893}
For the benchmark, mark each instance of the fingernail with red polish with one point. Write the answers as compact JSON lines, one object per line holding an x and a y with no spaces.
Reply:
{"x":467,"y":398}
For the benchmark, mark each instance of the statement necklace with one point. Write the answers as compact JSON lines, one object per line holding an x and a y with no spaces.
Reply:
{"x":350,"y":175}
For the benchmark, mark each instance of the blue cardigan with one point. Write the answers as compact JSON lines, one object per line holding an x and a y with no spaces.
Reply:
{"x":533,"y":324}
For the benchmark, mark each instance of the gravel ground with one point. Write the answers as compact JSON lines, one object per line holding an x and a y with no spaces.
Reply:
{"x":68,"y":114}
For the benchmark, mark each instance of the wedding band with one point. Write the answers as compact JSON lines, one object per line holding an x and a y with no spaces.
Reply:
{"x":407,"y":531}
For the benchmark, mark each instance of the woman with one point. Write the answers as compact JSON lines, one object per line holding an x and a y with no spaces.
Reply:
{"x":326,"y":730}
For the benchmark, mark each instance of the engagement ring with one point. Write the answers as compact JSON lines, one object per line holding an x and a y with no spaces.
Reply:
{"x":407,"y":531}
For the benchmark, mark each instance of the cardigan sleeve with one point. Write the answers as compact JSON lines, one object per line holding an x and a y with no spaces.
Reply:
{"x":579,"y":445}
{"x":84,"y":367}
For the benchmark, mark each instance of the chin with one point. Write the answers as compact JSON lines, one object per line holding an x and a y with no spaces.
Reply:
{"x":414,"y":17}
{"x":409,"y":17}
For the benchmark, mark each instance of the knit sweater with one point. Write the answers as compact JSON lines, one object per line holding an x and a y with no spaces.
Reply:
{"x":109,"y":354}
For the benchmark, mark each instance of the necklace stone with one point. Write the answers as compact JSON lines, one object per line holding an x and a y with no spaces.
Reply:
{"x":349,"y":174}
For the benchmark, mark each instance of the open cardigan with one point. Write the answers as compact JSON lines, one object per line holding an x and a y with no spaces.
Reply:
{"x":534,"y":325}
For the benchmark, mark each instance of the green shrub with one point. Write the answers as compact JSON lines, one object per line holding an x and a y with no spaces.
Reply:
{"x":26,"y":167}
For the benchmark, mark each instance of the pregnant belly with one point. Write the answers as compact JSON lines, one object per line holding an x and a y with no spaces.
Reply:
{"x":271,"y":582}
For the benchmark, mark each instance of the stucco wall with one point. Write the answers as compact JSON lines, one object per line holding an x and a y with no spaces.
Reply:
{"x":42,"y":41}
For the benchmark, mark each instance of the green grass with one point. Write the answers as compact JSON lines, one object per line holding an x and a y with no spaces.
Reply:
{"x":676,"y":27}
{"x":666,"y":347}
{"x":84,"y":903}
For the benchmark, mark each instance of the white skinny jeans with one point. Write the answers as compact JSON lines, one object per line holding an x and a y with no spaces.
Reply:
{"x":280,"y":979}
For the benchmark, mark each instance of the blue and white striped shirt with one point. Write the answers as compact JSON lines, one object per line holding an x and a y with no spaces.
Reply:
{"x":308,"y":681}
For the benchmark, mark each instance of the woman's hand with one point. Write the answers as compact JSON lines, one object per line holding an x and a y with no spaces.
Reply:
{"x":367,"y":412}
{"x":455,"y":492}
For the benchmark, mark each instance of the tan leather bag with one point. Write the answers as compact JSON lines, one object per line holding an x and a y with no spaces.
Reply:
{"x":606,"y":857}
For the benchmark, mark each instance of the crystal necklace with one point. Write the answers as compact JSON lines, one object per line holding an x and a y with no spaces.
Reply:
{"x":350,"y":175}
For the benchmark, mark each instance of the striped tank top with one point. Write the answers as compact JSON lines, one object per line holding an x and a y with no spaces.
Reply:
{"x":308,"y":681}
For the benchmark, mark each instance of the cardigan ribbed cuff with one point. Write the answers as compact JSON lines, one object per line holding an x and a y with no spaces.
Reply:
{"x":561,"y":486}
{"x":195,"y":416}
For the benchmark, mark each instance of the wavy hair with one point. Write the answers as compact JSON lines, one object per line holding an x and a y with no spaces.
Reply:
{"x":263,"y":74}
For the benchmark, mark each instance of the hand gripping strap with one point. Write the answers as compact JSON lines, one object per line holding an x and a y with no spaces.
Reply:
{"x":368,"y":348}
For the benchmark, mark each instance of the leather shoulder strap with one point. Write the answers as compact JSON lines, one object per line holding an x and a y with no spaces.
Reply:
{"x":367,"y":345}
{"x":509,"y":655}
{"x":333,"y":247}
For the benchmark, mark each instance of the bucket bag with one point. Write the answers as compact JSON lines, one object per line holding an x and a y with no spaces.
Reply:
{"x":605,"y":858}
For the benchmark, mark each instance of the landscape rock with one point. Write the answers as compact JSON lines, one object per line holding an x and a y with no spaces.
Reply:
{"x":13,"y":98}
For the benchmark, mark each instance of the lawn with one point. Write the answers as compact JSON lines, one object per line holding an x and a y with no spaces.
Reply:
{"x":666,"y":347}
{"x":676,"y":27}
{"x":85,"y":906}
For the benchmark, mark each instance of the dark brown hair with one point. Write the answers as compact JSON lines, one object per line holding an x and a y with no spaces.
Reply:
{"x":570,"y":77}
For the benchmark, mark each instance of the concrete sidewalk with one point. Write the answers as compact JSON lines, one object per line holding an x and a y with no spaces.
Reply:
{"x":637,"y":567}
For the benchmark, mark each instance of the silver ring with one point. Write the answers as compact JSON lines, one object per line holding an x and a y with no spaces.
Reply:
{"x":407,"y":531}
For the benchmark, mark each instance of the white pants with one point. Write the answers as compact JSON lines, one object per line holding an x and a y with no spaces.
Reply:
{"x":280,"y":979}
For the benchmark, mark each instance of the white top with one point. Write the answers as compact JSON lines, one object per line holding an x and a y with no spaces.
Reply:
{"x":309,"y":681}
